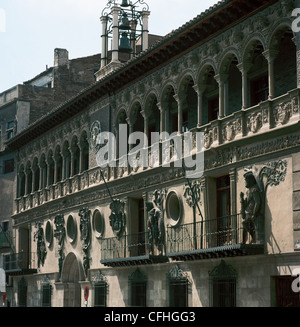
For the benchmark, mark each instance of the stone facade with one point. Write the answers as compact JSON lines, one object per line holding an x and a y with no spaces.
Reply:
{"x":239,"y":89}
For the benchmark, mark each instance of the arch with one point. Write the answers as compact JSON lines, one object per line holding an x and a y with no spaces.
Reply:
{"x":36,"y":174}
{"x":170,"y":107}
{"x":29,"y":177}
{"x":209,"y":89}
{"x":283,"y":25}
{"x":255,"y":66}
{"x":284,"y":50}
{"x":59,"y":163}
{"x":72,"y":273}
{"x":189,"y":101}
{"x":253,"y":39}
{"x":43,"y":170}
{"x":228,"y":57}
{"x":67,"y":159}
{"x":152,"y":113}
{"x":232,"y":77}
{"x":75,"y":153}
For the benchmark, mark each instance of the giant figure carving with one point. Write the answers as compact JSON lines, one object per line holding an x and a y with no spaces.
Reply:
{"x":156,"y":228}
{"x":251,"y":208}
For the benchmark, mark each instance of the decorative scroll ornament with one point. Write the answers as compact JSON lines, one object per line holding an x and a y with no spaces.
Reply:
{"x":117,"y":217}
{"x":178,"y":274}
{"x":192,"y":193}
{"x":85,"y":230}
{"x":41,"y":246}
{"x":60,"y":235}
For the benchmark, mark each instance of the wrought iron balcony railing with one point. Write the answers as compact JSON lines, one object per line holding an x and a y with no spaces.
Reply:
{"x":128,"y":250}
{"x":211,"y":238}
{"x":23,"y":261}
{"x":214,"y":237}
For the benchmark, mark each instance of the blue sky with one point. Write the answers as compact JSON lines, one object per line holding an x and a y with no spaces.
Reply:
{"x":34,"y":28}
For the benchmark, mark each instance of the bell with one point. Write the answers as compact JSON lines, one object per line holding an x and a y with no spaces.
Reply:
{"x":124,"y":43}
{"x":124,"y":3}
{"x":124,"y":25}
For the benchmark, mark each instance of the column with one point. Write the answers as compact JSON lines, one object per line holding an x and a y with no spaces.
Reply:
{"x":200,"y":90}
{"x":26,"y":182}
{"x":244,"y":68}
{"x":41,"y":177}
{"x":179,"y":102}
{"x":115,"y":38}
{"x":72,"y":164}
{"x":104,"y":38}
{"x":271,"y":55}
{"x":146,"y":141}
{"x":145,"y":17}
{"x":80,"y":157}
{"x":55,"y":170}
{"x":221,"y":78}
{"x":162,"y":111}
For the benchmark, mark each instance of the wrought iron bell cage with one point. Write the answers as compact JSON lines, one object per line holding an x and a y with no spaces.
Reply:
{"x":130,"y":24}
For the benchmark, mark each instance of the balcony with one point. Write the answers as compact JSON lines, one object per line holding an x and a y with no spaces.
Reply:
{"x":20,"y":263}
{"x":128,"y":250}
{"x":213,"y":238}
{"x":256,"y":121}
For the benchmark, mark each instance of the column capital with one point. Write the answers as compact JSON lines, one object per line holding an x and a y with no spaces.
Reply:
{"x":270,"y":54}
{"x":244,"y":67}
{"x":221,"y":78}
{"x":199,"y":88}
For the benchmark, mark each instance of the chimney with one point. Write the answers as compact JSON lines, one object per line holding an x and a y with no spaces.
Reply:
{"x":61,"y":57}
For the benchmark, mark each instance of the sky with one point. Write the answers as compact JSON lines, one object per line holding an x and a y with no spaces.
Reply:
{"x":30,"y":30}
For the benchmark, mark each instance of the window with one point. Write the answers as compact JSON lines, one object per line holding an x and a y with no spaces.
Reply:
{"x":138,"y":294}
{"x":9,"y":166}
{"x":22,"y":293}
{"x":223,"y":210}
{"x":178,"y":287}
{"x":223,"y":286}
{"x":100,"y":294}
{"x":178,"y":292}
{"x":46,"y":295}
{"x":138,"y":289}
{"x":285,"y":297}
{"x":10,"y":129}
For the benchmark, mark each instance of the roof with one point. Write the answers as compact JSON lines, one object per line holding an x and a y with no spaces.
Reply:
{"x":223,"y":15}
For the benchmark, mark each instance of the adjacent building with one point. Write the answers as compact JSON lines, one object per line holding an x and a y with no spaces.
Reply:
{"x":147,"y":225}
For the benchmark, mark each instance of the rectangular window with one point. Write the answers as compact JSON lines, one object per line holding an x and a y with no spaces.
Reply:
{"x":178,"y":292}
{"x":224,"y":293}
{"x":10,"y":129}
{"x":9,"y":166}
{"x":138,"y":294}
{"x":285,"y":297}
{"x":100,"y":295}
{"x":46,"y":295}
